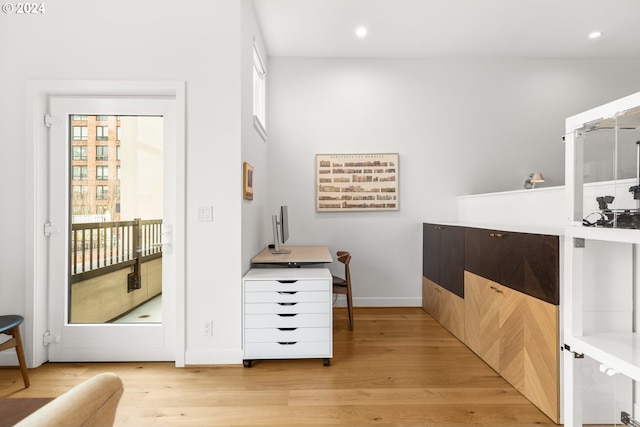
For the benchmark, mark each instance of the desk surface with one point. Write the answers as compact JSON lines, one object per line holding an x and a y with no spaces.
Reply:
{"x":298,"y":255}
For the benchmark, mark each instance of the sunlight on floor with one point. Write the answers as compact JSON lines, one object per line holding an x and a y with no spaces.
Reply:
{"x":149,"y":312}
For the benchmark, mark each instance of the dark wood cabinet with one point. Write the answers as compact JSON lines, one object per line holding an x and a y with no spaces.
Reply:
{"x":525,"y":262}
{"x":482,"y":253}
{"x":443,"y":256}
{"x":431,"y":252}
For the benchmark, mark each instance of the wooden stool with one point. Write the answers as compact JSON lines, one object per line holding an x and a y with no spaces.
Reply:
{"x":10,"y":325}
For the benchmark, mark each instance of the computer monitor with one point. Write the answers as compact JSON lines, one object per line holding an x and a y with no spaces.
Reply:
{"x":280,"y":230}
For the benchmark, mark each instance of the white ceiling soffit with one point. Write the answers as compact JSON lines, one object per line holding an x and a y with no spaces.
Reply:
{"x":451,"y":28}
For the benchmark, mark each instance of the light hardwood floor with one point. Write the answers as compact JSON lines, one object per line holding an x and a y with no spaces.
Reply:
{"x":398,"y":368}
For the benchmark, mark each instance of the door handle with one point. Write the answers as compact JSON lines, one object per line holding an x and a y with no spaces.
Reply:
{"x":166,"y":239}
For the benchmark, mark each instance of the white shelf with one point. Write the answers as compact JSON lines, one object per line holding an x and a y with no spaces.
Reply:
{"x":618,"y":351}
{"x":623,"y":235}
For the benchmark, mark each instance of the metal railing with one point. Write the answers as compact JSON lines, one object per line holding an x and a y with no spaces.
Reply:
{"x":98,"y":248}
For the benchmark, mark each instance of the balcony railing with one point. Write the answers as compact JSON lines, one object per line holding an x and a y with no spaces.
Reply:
{"x":101,"y":247}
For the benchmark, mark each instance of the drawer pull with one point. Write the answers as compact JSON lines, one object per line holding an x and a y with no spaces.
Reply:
{"x":498,"y":235}
{"x":287,"y":303}
{"x":287,"y":329}
{"x":287,"y":281}
{"x":288,"y":292}
{"x":287,"y":342}
{"x":287,"y":314}
{"x":496,"y":289}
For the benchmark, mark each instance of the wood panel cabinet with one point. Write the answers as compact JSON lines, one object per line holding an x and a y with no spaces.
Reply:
{"x":526,"y":262}
{"x":517,"y":335}
{"x":443,"y":256}
{"x":444,"y":306}
{"x":443,"y":276}
{"x":507,"y":311}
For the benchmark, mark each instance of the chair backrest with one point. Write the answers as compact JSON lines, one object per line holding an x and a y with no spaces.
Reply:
{"x":345,"y":257}
{"x":92,"y":403}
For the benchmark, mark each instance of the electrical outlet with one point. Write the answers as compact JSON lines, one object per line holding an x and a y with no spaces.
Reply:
{"x":207,"y":328}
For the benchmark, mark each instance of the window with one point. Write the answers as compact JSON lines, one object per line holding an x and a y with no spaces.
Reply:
{"x":77,"y":117}
{"x":80,"y":190}
{"x":102,"y":118}
{"x":118,"y":133}
{"x":101,"y":209}
{"x":80,"y":209}
{"x":102,"y":152}
{"x":79,"y":172}
{"x":259,"y":94}
{"x":102,"y":192}
{"x":102,"y":133}
{"x":80,"y":133}
{"x":102,"y":173}
{"x":118,"y":172}
{"x":118,"y":151}
{"x":79,"y":152}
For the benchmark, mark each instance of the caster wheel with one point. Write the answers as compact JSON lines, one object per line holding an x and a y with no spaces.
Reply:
{"x":326,"y":362}
{"x":247,"y":363}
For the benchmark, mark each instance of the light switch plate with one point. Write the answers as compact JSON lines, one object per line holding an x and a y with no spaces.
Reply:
{"x":205,"y":213}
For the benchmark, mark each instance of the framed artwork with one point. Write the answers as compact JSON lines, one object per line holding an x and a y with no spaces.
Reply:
{"x":357,"y":182}
{"x":247,"y":192}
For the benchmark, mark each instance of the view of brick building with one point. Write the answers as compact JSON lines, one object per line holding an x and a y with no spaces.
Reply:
{"x":95,"y":168}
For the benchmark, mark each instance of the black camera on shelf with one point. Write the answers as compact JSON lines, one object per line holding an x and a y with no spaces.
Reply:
{"x":603,"y":202}
{"x":636,"y":191}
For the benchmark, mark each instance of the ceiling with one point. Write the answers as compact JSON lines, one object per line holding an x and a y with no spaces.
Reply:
{"x":451,"y":28}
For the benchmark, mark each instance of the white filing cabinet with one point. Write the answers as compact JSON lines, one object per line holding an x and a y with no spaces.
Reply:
{"x":287,"y":314}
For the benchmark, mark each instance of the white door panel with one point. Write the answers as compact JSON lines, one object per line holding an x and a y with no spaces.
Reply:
{"x":107,"y":341}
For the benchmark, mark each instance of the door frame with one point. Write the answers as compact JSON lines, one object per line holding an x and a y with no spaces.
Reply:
{"x":36,"y":282}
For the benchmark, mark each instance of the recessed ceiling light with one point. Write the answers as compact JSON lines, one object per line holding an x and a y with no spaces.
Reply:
{"x":361,"y":32}
{"x":595,"y":35}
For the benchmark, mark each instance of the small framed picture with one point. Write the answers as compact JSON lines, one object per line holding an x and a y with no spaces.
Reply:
{"x":247,"y":192}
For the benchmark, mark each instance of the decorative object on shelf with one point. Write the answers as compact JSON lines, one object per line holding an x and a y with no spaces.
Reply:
{"x":357,"y":182}
{"x":247,"y":192}
{"x":534,"y":178}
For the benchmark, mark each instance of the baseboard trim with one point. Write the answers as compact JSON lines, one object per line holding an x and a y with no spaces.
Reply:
{"x":379,"y":302}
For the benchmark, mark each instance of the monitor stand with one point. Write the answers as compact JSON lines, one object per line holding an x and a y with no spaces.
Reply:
{"x":280,"y":251}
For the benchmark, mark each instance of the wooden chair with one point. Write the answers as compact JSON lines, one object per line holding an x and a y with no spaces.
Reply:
{"x":10,"y":325}
{"x":343,"y":285}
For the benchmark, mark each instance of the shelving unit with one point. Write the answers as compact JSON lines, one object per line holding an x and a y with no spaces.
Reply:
{"x":600,"y":282}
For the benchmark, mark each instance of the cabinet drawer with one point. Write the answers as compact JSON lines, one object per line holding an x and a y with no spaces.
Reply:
{"x":287,"y":308}
{"x":286,"y":285}
{"x":287,"y":296}
{"x":287,"y":335}
{"x":318,"y":320}
{"x":287,"y":349}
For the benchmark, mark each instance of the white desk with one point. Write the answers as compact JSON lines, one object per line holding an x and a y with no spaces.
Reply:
{"x":299,"y":255}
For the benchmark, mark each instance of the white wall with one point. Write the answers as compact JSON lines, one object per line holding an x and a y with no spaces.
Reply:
{"x":460,"y":126}
{"x":255,"y":216}
{"x":197,"y":42}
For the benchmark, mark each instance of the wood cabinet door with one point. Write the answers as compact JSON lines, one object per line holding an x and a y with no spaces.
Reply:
{"x":512,"y":325}
{"x":452,"y":259}
{"x":541,"y":356}
{"x":431,"y":298}
{"x":431,"y":252}
{"x":530,"y":264}
{"x":452,"y":313}
{"x":482,"y":253}
{"x":482,"y":319}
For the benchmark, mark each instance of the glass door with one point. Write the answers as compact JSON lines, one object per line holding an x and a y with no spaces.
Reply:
{"x":112,"y":293}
